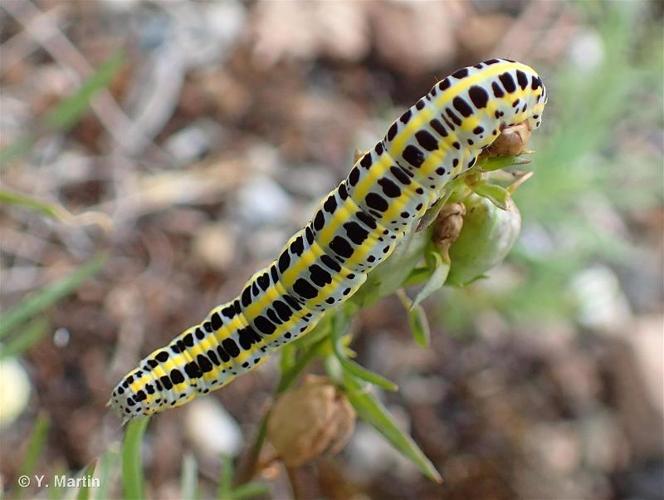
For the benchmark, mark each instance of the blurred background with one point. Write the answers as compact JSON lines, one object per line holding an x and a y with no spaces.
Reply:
{"x":156,"y":153}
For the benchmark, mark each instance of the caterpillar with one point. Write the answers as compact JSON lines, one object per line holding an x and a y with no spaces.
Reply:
{"x":356,"y":227}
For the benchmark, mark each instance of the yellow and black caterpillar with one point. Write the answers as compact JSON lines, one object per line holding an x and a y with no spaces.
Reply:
{"x":356,"y":227}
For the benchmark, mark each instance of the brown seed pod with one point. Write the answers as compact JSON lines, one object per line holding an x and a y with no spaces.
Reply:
{"x":448,"y":226}
{"x":313,"y":419}
{"x":512,"y":141}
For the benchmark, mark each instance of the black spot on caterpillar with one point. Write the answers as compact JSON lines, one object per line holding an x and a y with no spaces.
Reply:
{"x":322,"y":265}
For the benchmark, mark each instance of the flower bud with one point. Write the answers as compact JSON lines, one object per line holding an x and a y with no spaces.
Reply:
{"x":486,"y":238}
{"x":313,"y":419}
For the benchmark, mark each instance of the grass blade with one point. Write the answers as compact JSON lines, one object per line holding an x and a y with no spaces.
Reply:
{"x":26,"y":339}
{"x":56,"y":491}
{"x":54,"y":210}
{"x":35,"y":448}
{"x":71,"y":109}
{"x":225,"y":479}
{"x":35,"y":445}
{"x":132,"y":469}
{"x":419,"y":326}
{"x":106,"y":465}
{"x":436,"y":280}
{"x":46,"y":209}
{"x":417,"y":320}
{"x":68,"y":111}
{"x":48,"y":296}
{"x":16,"y":149}
{"x":373,"y":412}
{"x":88,"y":473}
{"x":338,"y":331}
{"x":249,"y":490}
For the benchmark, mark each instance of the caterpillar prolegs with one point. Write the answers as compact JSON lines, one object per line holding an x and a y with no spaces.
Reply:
{"x":356,"y":227}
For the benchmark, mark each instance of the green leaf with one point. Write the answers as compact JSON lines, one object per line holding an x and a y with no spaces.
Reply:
{"x":48,"y":295}
{"x":288,"y":377}
{"x":225,"y":479}
{"x":24,"y":340}
{"x":430,"y":215}
{"x":189,"y":478}
{"x":500,"y":163}
{"x":106,"y":465}
{"x":132,"y":469}
{"x":50,"y":210}
{"x":54,"y":210}
{"x":16,"y":149}
{"x":417,"y":320}
{"x":68,"y":111}
{"x":84,"y":490}
{"x":435,"y":281}
{"x":419,"y":326}
{"x":373,"y":412}
{"x":498,"y":195}
{"x":418,"y":276}
{"x":248,"y":490}
{"x":35,"y":448}
{"x":71,"y":109}
{"x":338,"y":331}
{"x":288,"y":355}
{"x":55,"y":491}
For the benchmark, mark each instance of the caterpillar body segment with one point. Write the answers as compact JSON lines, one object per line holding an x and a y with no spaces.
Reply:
{"x":356,"y":227}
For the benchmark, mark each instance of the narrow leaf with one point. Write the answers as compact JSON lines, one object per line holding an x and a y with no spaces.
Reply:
{"x":364,"y":374}
{"x":56,"y":491}
{"x":417,"y":320}
{"x":351,"y":366}
{"x":16,"y":149}
{"x":35,"y":445}
{"x":88,"y":474}
{"x":25,"y":339}
{"x":287,"y":357}
{"x":225,"y":478}
{"x":50,"y":210}
{"x":419,"y":326}
{"x":54,"y":210}
{"x":132,"y":469}
{"x":435,"y":281}
{"x":106,"y":465}
{"x":498,"y":195}
{"x":48,"y":295}
{"x":248,"y":490}
{"x":69,"y":110}
{"x":500,"y":162}
{"x":418,"y":276}
{"x":373,"y":412}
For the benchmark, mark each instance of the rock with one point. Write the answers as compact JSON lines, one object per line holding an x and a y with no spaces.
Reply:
{"x":263,"y":202}
{"x":647,"y":342}
{"x":212,"y":430}
{"x":602,"y":304}
{"x":417,"y":36}
{"x":214,"y":244}
{"x":15,"y":391}
{"x":194,"y":141}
